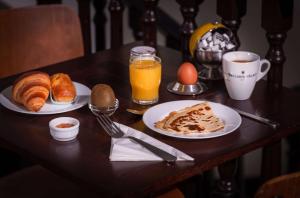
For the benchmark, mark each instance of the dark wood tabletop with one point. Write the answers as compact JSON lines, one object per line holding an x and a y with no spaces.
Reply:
{"x":86,"y":160}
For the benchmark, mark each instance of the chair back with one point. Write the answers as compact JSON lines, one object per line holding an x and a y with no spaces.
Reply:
{"x":286,"y":186}
{"x":32,"y":37}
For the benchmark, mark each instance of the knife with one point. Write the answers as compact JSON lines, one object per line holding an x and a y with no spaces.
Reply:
{"x":266,"y":121}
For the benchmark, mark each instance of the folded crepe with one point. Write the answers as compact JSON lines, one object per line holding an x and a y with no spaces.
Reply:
{"x":198,"y":118}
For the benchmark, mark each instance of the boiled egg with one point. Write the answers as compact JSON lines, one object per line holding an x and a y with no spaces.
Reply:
{"x":187,"y":74}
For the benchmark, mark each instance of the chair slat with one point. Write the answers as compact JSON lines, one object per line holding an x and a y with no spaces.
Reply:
{"x":99,"y":21}
{"x":85,"y":22}
{"x":149,"y":22}
{"x":116,"y":8}
{"x":277,"y":18}
{"x":189,"y":10}
{"x":231,"y":12}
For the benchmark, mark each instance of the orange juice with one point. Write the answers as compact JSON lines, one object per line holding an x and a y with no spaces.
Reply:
{"x":145,"y":77}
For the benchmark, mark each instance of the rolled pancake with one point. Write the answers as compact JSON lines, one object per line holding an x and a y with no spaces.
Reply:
{"x":198,"y":118}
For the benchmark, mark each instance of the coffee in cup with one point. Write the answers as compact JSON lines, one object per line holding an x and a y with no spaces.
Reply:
{"x":241,"y":71}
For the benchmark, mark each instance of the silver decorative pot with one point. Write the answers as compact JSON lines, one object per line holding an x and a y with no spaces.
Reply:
{"x":210,"y":48}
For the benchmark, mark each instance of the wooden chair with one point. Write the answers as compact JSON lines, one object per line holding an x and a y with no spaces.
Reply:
{"x":37,"y":182}
{"x":285,"y":186}
{"x":35,"y":37}
{"x":38,"y":36}
{"x":32,"y":37}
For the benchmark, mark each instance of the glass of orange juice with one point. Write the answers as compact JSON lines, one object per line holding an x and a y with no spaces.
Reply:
{"x":145,"y":77}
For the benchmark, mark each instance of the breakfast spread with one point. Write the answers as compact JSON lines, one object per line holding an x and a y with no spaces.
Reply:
{"x":32,"y":89}
{"x":102,"y":96}
{"x":198,"y":118}
{"x":62,"y":88}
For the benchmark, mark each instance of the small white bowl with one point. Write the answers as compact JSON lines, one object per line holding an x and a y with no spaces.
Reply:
{"x":65,"y":133}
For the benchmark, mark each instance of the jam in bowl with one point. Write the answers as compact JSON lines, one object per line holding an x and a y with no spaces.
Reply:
{"x":64,"y":128}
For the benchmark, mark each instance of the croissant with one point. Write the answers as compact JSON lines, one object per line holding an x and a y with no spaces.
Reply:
{"x":62,"y":88}
{"x":31,"y":90}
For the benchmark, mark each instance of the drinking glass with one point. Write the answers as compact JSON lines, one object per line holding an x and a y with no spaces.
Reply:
{"x":145,"y":77}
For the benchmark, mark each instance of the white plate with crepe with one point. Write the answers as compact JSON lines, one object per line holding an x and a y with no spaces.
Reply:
{"x":231,"y":119}
{"x":83,"y":94}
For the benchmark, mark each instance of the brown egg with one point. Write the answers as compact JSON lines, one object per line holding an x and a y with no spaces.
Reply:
{"x":102,"y":96}
{"x":187,"y":74}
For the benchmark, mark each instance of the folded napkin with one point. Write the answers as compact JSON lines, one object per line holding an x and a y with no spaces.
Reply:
{"x":124,"y":149}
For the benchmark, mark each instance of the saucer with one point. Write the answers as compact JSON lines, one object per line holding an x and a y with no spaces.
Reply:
{"x":181,"y":89}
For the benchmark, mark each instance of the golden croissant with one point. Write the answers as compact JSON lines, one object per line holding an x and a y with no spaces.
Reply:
{"x":31,"y":90}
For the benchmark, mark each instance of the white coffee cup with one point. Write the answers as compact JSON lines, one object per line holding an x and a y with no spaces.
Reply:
{"x":241,"y":71}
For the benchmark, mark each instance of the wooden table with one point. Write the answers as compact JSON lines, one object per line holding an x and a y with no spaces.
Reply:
{"x":86,"y":159}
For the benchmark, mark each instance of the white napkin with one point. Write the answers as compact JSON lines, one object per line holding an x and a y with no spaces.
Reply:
{"x":124,"y":149}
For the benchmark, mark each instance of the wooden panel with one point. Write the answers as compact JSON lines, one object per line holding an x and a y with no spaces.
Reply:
{"x":38,"y":36}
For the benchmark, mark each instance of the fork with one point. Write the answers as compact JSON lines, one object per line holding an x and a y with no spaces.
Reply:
{"x":114,"y":131}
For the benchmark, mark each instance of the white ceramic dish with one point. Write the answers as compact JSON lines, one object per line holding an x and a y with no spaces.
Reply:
{"x":64,"y":134}
{"x":229,"y":116}
{"x":83,"y":94}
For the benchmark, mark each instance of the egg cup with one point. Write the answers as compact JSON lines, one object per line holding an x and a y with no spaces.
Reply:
{"x":181,"y":89}
{"x":109,"y":110}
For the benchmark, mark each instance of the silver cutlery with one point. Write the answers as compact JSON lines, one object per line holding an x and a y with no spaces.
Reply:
{"x":137,"y":111}
{"x":114,"y":131}
{"x":266,"y":121}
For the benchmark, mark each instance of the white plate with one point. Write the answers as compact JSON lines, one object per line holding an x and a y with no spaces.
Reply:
{"x":83,"y":94}
{"x":231,"y":118}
